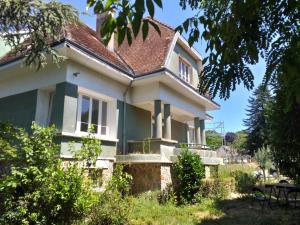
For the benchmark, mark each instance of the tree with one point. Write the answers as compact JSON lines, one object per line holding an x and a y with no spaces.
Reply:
{"x":239,"y":144}
{"x":35,"y":187}
{"x":230,"y":137}
{"x":30,"y":27}
{"x":237,"y":34}
{"x":263,"y":158}
{"x":256,"y":119}
{"x":213,"y":139}
{"x":284,"y":117}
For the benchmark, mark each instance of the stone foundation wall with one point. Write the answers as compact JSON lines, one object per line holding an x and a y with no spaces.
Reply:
{"x":106,"y":172}
{"x":150,"y":176}
{"x":146,"y":176}
{"x":166,"y":176}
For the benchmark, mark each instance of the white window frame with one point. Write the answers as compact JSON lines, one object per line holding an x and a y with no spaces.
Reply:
{"x":79,"y":107}
{"x":184,"y":70}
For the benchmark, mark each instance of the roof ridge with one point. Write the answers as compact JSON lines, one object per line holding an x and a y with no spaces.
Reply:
{"x":161,"y":23}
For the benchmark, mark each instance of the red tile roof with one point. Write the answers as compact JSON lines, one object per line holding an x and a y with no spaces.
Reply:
{"x":149,"y":55}
{"x":139,"y":58}
{"x":86,"y":38}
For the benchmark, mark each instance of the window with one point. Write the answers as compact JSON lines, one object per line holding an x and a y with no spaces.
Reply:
{"x":92,"y":113}
{"x":184,"y":70}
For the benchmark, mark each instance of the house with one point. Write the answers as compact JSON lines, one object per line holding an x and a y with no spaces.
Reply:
{"x":142,"y":99}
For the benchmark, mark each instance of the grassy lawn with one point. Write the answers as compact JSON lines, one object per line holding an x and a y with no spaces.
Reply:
{"x":242,"y":211}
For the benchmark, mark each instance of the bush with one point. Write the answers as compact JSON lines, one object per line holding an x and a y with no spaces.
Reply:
{"x":217,"y":188}
{"x":244,"y":181}
{"x":167,"y":195}
{"x":35,"y":188}
{"x":120,"y":181}
{"x":111,"y":209}
{"x":189,"y":173}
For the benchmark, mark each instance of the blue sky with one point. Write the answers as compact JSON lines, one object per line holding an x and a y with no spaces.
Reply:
{"x":232,"y":111}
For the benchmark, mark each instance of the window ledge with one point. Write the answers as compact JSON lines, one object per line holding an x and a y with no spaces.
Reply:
{"x":79,"y":135}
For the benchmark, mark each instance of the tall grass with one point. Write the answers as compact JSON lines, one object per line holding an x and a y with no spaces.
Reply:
{"x":228,"y":170}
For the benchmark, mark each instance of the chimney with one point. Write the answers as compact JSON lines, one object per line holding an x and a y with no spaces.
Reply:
{"x":100,"y":18}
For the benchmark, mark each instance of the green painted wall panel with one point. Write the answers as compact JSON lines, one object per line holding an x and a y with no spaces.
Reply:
{"x":179,"y":131}
{"x":138,"y":124}
{"x":19,"y":109}
{"x":64,"y":107}
{"x":74,"y":143}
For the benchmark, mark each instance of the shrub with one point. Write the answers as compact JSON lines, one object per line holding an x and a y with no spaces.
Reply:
{"x":189,"y":173}
{"x":217,"y":188}
{"x":120,"y":181}
{"x":36,"y":189}
{"x":244,"y":181}
{"x":111,"y":209}
{"x":167,"y":195}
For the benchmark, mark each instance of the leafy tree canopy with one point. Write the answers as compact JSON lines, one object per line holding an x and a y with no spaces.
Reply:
{"x":263,"y":158}
{"x":239,"y":144}
{"x":230,"y":137}
{"x":213,"y":139}
{"x":37,"y":22}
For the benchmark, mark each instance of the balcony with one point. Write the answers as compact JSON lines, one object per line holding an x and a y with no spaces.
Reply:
{"x":165,"y":151}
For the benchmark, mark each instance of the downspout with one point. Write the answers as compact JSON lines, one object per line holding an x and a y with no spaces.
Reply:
{"x":124,"y":117}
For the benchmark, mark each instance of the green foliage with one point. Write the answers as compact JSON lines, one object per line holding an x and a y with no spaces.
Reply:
{"x":230,"y":137}
{"x":39,"y":22}
{"x":167,"y":195}
{"x":256,"y":122}
{"x":111,"y":208}
{"x":240,"y":142}
{"x":283,"y":116}
{"x":244,"y":182}
{"x":90,"y":149}
{"x":128,"y":21}
{"x":36,"y":189}
{"x":213,"y":139}
{"x":147,"y":211}
{"x":189,"y":173}
{"x":217,"y":188}
{"x":263,"y":158}
{"x":227,"y":171}
{"x":121,"y":181}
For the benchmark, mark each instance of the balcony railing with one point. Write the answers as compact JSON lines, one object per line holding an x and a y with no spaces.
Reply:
{"x":193,"y":146}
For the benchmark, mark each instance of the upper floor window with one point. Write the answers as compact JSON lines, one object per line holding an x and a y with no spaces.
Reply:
{"x":184,"y":70}
{"x":92,"y":114}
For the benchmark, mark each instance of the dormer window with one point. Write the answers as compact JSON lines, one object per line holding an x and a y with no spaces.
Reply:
{"x":184,"y":70}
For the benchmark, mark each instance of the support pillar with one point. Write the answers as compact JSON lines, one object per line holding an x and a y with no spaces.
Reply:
{"x":202,"y":131}
{"x":157,"y":119}
{"x":197,"y":130}
{"x":167,"y":118}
